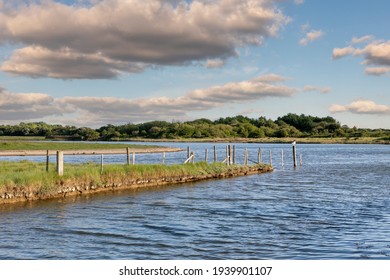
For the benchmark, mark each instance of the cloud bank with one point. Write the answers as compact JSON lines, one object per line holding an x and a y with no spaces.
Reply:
{"x":361,"y":107}
{"x":102,"y":39}
{"x":94,"y":111}
{"x":375,"y":53}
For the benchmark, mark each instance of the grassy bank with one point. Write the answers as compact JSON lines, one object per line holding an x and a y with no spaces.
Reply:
{"x":53,"y":145}
{"x":29,"y":180}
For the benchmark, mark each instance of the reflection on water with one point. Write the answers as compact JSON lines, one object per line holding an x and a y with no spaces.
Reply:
{"x":335,"y":206}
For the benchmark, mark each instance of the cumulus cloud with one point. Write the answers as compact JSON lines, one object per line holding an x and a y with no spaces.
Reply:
{"x":361,"y":107}
{"x":374,"y":53}
{"x":341,"y":52}
{"x":26,"y":106}
{"x":308,"y":88}
{"x":377,"y":71}
{"x":103,"y":110}
{"x":115,"y":36}
{"x":311,"y":36}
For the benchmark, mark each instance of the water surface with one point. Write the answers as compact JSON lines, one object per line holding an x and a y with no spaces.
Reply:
{"x":335,"y":206}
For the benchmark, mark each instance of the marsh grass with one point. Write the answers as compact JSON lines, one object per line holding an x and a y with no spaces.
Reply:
{"x":30,"y":176}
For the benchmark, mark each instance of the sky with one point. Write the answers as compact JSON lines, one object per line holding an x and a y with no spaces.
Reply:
{"x":98,"y":62}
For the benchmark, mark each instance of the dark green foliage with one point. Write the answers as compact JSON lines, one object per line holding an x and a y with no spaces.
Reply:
{"x":290,"y":125}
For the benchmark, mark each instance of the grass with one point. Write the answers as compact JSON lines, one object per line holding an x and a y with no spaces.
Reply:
{"x":31,"y":177}
{"x":48,"y":145}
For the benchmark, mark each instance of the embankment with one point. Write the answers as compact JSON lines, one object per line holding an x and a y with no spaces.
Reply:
{"x":120,"y":178}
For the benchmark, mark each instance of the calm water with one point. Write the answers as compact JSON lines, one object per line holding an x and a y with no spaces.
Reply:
{"x":335,"y":206}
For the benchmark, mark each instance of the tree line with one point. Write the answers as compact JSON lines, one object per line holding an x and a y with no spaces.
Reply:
{"x":290,"y":125}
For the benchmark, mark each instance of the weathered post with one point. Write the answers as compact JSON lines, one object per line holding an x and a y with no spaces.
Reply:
{"x":206,"y":155}
{"x":300,"y":159}
{"x":163,"y":158}
{"x":215,"y":153}
{"x":60,"y":163}
{"x":230,"y":154}
{"x":133,"y":158}
{"x":270,"y":157}
{"x":47,"y":160}
{"x":101,"y":164}
{"x":294,"y":153}
{"x":128,"y":155}
{"x":193,"y":157}
{"x":246,"y":157}
{"x":234,"y":154}
{"x":282,"y":159}
{"x":259,"y":157}
{"x":188,"y":152}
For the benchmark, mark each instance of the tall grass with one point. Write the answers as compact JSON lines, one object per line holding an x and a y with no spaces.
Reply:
{"x":31,"y":177}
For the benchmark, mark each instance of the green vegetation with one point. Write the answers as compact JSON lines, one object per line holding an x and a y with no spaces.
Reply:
{"x":288,"y":126}
{"x":52,"y":145}
{"x":31,"y":177}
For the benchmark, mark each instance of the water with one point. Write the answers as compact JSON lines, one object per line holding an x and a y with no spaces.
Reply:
{"x":335,"y":206}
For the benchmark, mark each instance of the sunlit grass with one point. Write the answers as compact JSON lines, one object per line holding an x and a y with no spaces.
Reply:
{"x":32,"y":176}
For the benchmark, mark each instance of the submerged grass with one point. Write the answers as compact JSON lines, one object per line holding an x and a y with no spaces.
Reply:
{"x":31,"y":177}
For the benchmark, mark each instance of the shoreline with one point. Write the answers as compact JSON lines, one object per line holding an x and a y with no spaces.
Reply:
{"x":268,"y":140}
{"x":91,"y":151}
{"x":78,"y":189}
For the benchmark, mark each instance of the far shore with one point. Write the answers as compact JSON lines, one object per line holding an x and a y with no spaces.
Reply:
{"x":269,"y":140}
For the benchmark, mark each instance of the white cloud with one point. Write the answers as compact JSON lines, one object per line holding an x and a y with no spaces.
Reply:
{"x":102,"y":110}
{"x":377,"y":71}
{"x":26,"y":106}
{"x":316,"y":88}
{"x":341,"y":52}
{"x":361,"y":107}
{"x":376,"y":53}
{"x":108,"y":37}
{"x":311,"y":36}
{"x":299,"y":2}
{"x":363,"y":39}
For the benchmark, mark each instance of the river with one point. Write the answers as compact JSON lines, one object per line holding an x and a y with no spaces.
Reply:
{"x":335,"y":206}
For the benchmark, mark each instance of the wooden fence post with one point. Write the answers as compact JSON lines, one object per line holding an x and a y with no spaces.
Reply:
{"x":188,"y":152}
{"x":60,"y":163}
{"x":259,"y":156}
{"x":270,"y":157}
{"x":234,"y":154}
{"x":206,"y":156}
{"x":128,"y":155}
{"x":294,"y":153}
{"x":47,"y":160}
{"x":163,"y":158}
{"x":133,"y":158}
{"x":101,"y":164}
{"x":282,"y":159}
{"x":215,"y":153}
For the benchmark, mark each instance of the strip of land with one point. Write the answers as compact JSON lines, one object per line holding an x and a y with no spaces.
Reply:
{"x":27,"y":181}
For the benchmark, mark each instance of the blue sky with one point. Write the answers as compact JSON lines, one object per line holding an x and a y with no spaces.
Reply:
{"x":90,"y":63}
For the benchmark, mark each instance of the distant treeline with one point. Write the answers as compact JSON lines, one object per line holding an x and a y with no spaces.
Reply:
{"x":290,"y":125}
